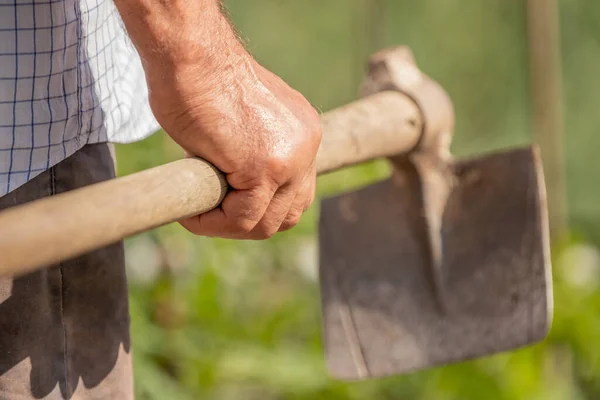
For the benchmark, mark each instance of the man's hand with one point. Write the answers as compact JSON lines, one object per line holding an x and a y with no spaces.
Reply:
{"x":219,"y":104}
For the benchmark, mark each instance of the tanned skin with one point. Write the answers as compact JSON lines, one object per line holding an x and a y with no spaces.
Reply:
{"x":218,"y":103}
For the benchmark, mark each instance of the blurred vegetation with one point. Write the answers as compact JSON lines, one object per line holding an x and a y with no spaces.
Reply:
{"x":216,"y":319}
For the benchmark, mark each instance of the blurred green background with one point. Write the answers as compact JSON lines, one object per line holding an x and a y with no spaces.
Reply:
{"x":216,"y":319}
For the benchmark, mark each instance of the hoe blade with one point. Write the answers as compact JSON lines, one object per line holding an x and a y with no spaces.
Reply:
{"x":381,"y":308}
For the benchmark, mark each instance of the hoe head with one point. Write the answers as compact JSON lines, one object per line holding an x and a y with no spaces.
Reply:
{"x":442,"y":262}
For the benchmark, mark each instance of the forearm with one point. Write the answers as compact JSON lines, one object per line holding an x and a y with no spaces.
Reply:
{"x":182,"y":35}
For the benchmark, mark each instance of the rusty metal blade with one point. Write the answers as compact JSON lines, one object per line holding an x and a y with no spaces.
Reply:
{"x":379,"y":305}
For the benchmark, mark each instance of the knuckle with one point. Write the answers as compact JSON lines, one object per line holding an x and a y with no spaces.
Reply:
{"x":293,"y":218}
{"x":278,"y":163}
{"x":244,"y":225}
{"x":269,"y":233}
{"x":283,"y":164}
{"x":278,"y":169}
{"x":264,"y":232}
{"x":309,"y":203}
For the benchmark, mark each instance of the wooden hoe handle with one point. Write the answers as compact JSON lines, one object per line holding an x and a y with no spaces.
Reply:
{"x":46,"y":231}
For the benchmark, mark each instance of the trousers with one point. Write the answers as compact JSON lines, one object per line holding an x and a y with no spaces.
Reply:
{"x":64,"y":330}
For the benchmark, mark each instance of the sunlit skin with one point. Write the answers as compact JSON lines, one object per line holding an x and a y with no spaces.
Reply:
{"x":218,"y":103}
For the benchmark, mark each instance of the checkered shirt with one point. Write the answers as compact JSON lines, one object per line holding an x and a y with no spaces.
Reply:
{"x":68,"y":77}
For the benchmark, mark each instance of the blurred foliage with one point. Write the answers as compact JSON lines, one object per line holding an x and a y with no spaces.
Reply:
{"x":216,"y":319}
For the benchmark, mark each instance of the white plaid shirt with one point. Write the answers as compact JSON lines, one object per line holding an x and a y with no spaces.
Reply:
{"x":68,"y":77}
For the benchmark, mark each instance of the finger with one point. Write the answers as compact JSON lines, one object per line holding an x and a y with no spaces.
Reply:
{"x":236,"y":218}
{"x":302,"y":202}
{"x":276,"y":212}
